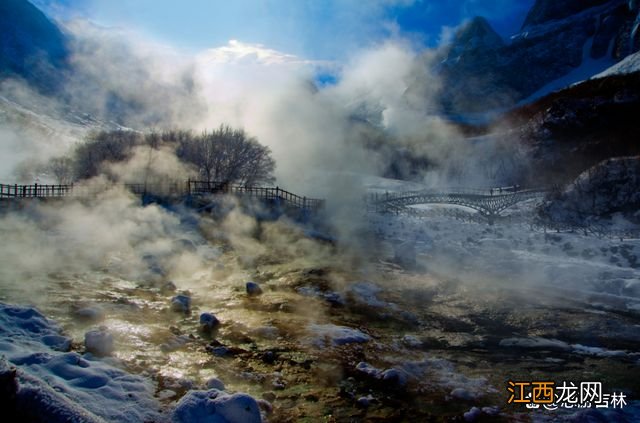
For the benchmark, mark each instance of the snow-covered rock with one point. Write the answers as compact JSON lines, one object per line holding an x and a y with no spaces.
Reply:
{"x":214,"y":406}
{"x":99,"y":341}
{"x":333,"y":335}
{"x":613,"y":186}
{"x":472,"y":415}
{"x":369,"y":370}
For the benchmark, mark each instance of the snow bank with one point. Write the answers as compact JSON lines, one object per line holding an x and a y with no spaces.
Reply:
{"x":215,"y":406}
{"x":65,"y":386}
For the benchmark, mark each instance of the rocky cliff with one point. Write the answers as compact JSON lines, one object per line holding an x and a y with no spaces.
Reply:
{"x":560,"y":41}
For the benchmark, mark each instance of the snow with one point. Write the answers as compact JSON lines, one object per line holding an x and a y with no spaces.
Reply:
{"x":587,"y":69}
{"x":66,"y":386}
{"x":214,"y":406}
{"x":628,"y":65}
{"x":334,"y":335}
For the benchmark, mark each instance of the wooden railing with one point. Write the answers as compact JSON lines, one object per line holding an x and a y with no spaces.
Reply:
{"x":35,"y":190}
{"x":171,"y":189}
{"x":264,"y":193}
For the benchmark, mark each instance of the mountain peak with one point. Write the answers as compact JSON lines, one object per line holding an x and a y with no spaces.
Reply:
{"x":476,"y":34}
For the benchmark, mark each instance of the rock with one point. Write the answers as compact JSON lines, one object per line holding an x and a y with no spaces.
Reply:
{"x":169,"y":287}
{"x":218,"y":351}
{"x":181,"y":303}
{"x":364,"y":402}
{"x":411,"y":341}
{"x":215,"y":383}
{"x":336,"y":335}
{"x":253,"y":289}
{"x":269,"y":357}
{"x":99,"y":341}
{"x":369,"y":370}
{"x":472,"y":415}
{"x":215,"y":406}
{"x":208,"y":322}
{"x":92,"y":314}
{"x":175,"y":343}
{"x":269,"y":396}
{"x":463,"y":394}
{"x":491,"y":411}
{"x":397,"y":377}
{"x":265,"y":406}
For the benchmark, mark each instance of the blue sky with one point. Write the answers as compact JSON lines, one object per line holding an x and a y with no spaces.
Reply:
{"x":315,"y":29}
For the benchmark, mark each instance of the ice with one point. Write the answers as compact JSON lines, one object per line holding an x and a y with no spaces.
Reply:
{"x":213,"y":406}
{"x":56,"y":386}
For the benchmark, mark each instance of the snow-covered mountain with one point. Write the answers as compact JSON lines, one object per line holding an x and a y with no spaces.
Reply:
{"x":561,"y":42}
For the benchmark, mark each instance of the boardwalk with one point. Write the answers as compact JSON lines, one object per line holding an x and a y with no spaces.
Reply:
{"x":489,"y":203}
{"x":175,"y":190}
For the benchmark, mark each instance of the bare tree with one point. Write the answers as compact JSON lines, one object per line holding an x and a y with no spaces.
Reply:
{"x":228,"y":155}
{"x":62,"y":169}
{"x":101,"y":147}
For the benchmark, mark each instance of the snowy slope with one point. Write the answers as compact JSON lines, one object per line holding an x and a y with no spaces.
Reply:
{"x":629,"y":65}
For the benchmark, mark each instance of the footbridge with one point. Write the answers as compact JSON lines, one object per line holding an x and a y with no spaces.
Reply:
{"x":488,"y":202}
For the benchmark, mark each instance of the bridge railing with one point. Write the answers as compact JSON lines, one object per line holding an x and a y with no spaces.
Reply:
{"x":379,"y":197}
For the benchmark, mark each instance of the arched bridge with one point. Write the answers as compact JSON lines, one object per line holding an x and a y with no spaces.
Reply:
{"x":488,"y":202}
